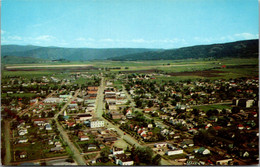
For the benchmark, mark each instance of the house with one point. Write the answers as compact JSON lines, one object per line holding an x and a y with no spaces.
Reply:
{"x":158,"y":145}
{"x":117,"y":150}
{"x":22,"y":132}
{"x":202,"y":151}
{"x":70,"y":124}
{"x":57,"y":149}
{"x":192,"y":162}
{"x":150,"y":126}
{"x":96,"y":123}
{"x":116,"y":115}
{"x":188,"y":143}
{"x":23,"y":154}
{"x":92,"y":147}
{"x":240,"y":126}
{"x":52,"y":100}
{"x":93,"y":88}
{"x":83,"y":138}
{"x":84,"y":117}
{"x":23,"y":140}
{"x":129,"y":114}
{"x":174,"y":152}
{"x":48,"y":127}
{"x":123,"y":159}
{"x":40,"y":122}
{"x":110,"y":139}
{"x":147,"y":110}
{"x":224,"y":162}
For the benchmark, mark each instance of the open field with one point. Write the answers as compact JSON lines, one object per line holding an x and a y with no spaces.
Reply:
{"x":175,"y":69}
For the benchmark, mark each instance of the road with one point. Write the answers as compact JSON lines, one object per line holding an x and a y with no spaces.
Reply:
{"x":132,"y":104}
{"x":41,"y":160}
{"x":99,"y":112}
{"x":7,"y":139}
{"x":65,"y":106}
{"x":78,"y":158}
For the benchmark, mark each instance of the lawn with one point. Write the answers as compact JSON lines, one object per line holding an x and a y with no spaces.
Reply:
{"x":212,"y":107}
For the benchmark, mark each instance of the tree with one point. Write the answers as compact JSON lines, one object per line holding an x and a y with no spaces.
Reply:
{"x":60,"y":118}
{"x":150,"y":103}
{"x":104,"y":154}
{"x":156,"y":160}
{"x":107,"y":106}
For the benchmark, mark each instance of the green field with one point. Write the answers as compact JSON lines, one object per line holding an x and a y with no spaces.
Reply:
{"x":235,"y":68}
{"x":212,"y":107}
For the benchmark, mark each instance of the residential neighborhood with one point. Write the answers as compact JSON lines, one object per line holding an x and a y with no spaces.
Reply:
{"x":109,"y":122}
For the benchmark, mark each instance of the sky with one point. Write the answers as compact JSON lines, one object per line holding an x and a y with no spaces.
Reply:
{"x":127,"y":23}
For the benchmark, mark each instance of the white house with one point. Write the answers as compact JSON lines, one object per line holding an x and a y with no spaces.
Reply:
{"x":158,"y":145}
{"x":83,"y":138}
{"x":48,"y":127}
{"x":22,"y":132}
{"x":202,"y":150}
{"x":52,"y":100}
{"x":174,"y":152}
{"x":23,"y":140}
{"x":123,"y":159}
{"x":117,"y":150}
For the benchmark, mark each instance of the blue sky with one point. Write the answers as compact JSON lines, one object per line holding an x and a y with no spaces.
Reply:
{"x":127,"y":23}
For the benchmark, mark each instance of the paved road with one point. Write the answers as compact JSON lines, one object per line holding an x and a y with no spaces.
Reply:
{"x":7,"y":138}
{"x":78,"y":158}
{"x":42,"y":160}
{"x":99,"y":112}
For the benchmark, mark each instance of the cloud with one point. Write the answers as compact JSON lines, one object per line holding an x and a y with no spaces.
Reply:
{"x":15,"y":38}
{"x":80,"y":39}
{"x":3,"y":32}
{"x":107,"y":40}
{"x":45,"y":38}
{"x":246,"y":35}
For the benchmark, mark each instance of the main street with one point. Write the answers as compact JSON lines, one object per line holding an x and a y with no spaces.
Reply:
{"x":99,"y":112}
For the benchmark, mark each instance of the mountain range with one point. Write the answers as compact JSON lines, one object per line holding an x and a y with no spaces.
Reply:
{"x":15,"y":54}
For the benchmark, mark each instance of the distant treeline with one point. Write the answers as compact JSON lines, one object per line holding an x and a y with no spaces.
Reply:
{"x":240,"y":49}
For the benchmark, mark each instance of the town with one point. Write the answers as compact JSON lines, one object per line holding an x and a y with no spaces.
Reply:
{"x":105,"y":118}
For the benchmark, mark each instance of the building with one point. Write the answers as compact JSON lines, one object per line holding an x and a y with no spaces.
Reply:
{"x":117,"y":150}
{"x":84,"y":117}
{"x":116,"y":115}
{"x":95,"y":123}
{"x":224,"y":162}
{"x":174,"y":152}
{"x":158,"y":145}
{"x":83,"y":138}
{"x":243,"y":102}
{"x":52,"y":100}
{"x":123,"y":159}
{"x":48,"y":127}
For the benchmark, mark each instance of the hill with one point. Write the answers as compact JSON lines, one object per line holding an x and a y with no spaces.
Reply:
{"x":71,"y":54}
{"x":239,"y":49}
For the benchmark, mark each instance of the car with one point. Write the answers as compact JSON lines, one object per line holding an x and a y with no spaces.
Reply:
{"x":124,"y":133}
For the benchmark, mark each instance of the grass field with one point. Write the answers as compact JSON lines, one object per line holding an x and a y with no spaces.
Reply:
{"x":212,"y":107}
{"x":234,"y":68}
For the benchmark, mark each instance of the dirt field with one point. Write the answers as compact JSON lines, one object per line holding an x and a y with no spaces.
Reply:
{"x":207,"y":73}
{"x":52,"y":68}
